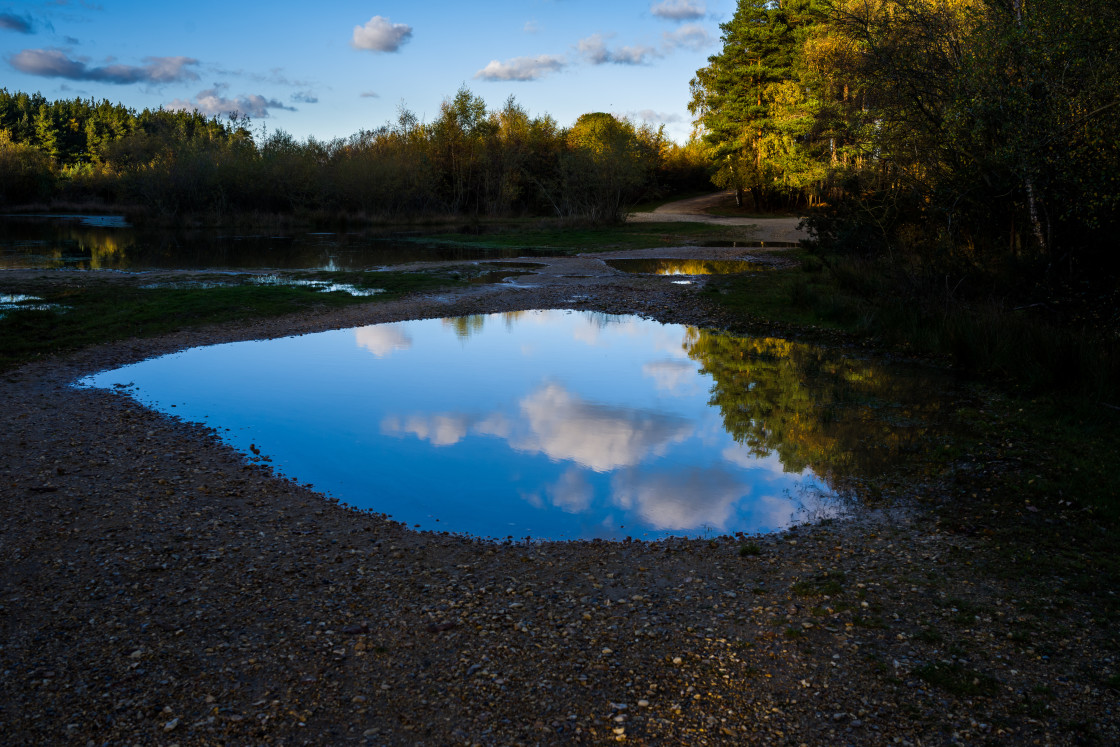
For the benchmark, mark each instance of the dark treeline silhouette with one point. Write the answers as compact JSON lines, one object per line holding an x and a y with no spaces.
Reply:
{"x":470,"y":161}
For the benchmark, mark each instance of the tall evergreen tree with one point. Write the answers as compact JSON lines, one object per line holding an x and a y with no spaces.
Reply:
{"x":755,"y":122}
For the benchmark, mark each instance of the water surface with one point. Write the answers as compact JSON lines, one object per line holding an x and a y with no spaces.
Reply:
{"x":109,"y":243}
{"x":674,"y":266}
{"x":550,"y":424}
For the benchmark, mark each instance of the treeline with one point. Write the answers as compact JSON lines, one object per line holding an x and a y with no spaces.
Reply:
{"x":469,"y":161}
{"x":945,"y":133}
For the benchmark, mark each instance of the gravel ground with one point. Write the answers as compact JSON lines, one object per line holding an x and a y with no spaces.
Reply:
{"x":158,"y":588}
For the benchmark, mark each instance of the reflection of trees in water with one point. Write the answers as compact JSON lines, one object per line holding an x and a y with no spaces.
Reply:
{"x":841,"y":417}
{"x":662,"y":266}
{"x":467,"y":326}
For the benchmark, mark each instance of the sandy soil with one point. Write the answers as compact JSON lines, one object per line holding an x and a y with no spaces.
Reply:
{"x":695,"y":210}
{"x":158,"y":588}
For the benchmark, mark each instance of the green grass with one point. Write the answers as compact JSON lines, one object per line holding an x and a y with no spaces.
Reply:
{"x":99,"y":312}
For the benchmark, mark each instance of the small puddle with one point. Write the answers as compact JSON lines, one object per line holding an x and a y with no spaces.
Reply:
{"x":670,"y":266}
{"x":749,"y":244}
{"x":324,"y":286}
{"x":553,"y":424}
{"x":19,"y":302}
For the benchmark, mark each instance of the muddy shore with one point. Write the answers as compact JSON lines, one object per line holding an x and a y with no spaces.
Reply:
{"x":159,"y":589}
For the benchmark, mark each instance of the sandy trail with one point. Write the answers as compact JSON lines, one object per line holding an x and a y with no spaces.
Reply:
{"x":695,"y":210}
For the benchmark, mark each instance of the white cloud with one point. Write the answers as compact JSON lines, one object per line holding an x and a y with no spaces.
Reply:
{"x":531,"y":27}
{"x":651,"y":116}
{"x":383,"y":339}
{"x":692,"y":36}
{"x":679,"y":10}
{"x":215,"y":103}
{"x":381,"y":35}
{"x":682,"y":500}
{"x":571,"y":493}
{"x":600,"y":437}
{"x":52,"y":63}
{"x":594,"y":49}
{"x":440,"y":430}
{"x":522,"y":68}
{"x":674,"y":377}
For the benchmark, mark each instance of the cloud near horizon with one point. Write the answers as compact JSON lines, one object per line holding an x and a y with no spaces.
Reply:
{"x":52,"y":63}
{"x":679,"y":10}
{"x":381,"y":35}
{"x":522,"y":68}
{"x":214,"y":103}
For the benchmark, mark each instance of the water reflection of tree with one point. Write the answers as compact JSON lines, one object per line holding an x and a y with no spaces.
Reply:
{"x":843,"y":418}
{"x":686,"y":266}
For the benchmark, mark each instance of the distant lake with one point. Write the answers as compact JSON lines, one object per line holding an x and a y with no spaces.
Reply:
{"x":553,"y":424}
{"x":108,"y":243}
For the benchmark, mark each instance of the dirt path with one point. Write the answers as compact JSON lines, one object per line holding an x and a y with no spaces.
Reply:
{"x":695,"y":210}
{"x":159,"y":589}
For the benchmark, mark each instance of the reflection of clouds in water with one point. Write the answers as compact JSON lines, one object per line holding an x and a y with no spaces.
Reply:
{"x":680,"y":500}
{"x":494,"y":425}
{"x":383,"y":339}
{"x":601,"y":437}
{"x":560,"y":425}
{"x":440,"y":430}
{"x":741,"y":456}
{"x":571,"y":493}
{"x":674,"y":377}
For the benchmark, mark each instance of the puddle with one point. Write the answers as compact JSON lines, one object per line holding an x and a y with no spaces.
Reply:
{"x":552,"y":424}
{"x":18,"y":302}
{"x":99,"y":221}
{"x":670,"y":266}
{"x":749,"y":244}
{"x":98,"y":242}
{"x":325,"y":286}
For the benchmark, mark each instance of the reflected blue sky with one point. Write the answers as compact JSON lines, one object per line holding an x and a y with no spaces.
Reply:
{"x":547,"y":424}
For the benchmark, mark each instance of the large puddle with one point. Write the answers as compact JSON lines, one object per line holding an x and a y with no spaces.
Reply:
{"x":552,"y":424}
{"x":109,"y":243}
{"x":673,"y":266}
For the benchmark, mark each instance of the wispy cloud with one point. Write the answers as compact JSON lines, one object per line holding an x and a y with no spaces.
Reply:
{"x":522,"y":68}
{"x":691,"y":36}
{"x":381,"y":35}
{"x":19,"y":24}
{"x":531,"y":27}
{"x":214,"y":103}
{"x":679,"y":10}
{"x":305,"y":97}
{"x":369,"y":95}
{"x":52,"y":63}
{"x":652,"y":117}
{"x":594,"y":49}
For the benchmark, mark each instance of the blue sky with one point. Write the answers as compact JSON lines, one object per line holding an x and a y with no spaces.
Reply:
{"x":332,"y":68}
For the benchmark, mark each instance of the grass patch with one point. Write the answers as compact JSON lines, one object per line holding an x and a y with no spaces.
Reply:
{"x":957,"y":679}
{"x":101,"y":312}
{"x":749,"y":550}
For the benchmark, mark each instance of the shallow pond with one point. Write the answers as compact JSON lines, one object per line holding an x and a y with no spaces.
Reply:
{"x":550,"y":424}
{"x":109,"y":243}
{"x":671,"y":266}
